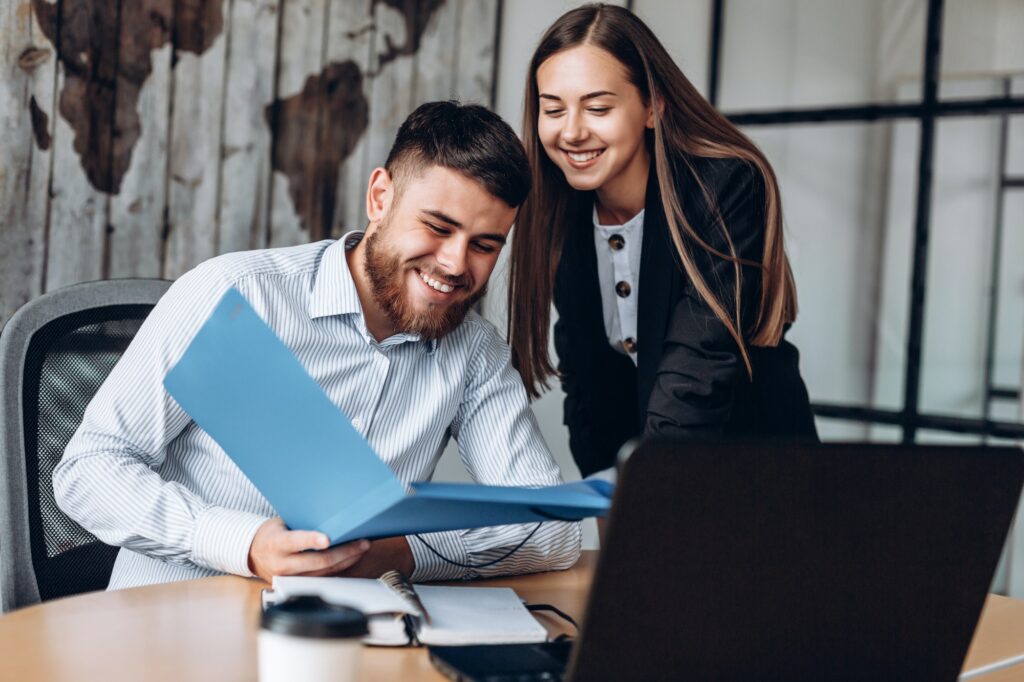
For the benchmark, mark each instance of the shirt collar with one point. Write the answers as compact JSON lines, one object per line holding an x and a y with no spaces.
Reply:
{"x":334,"y":291}
{"x":638,"y":219}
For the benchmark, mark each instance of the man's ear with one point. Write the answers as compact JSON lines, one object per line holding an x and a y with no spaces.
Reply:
{"x":660,"y":104}
{"x":379,"y":193}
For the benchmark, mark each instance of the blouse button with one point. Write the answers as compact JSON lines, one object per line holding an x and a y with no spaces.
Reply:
{"x":616,"y":242}
{"x":629,"y":344}
{"x":623,"y":289}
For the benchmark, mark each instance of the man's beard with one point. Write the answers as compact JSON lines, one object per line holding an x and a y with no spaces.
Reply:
{"x":388,"y":276}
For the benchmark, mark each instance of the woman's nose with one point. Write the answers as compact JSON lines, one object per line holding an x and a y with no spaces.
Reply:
{"x":573,"y":131}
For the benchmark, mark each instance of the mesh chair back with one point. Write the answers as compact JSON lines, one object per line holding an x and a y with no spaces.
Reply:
{"x":54,"y":355}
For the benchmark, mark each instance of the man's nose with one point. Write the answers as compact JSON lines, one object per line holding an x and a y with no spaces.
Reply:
{"x":452,"y":256}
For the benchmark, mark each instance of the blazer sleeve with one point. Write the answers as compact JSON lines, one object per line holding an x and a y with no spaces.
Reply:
{"x":701,"y":368}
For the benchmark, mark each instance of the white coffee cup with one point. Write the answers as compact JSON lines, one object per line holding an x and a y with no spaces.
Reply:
{"x":306,"y":638}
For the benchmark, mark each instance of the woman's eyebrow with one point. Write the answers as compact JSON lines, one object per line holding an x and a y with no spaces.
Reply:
{"x":589,"y":95}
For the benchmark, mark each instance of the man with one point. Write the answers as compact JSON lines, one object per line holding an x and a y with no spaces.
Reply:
{"x":383,"y":322}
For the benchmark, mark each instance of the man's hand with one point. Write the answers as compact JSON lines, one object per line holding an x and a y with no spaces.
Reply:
{"x":275,"y":550}
{"x":383,"y":556}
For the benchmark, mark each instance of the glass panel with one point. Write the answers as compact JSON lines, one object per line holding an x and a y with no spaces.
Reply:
{"x":884,"y":433}
{"x":1008,"y":358}
{"x":843,"y":188}
{"x":980,"y":38}
{"x":973,"y":87}
{"x":684,"y":28}
{"x":813,"y":53}
{"x":945,"y":437}
{"x":841,"y":430}
{"x":1015,"y":148}
{"x":964,"y":199}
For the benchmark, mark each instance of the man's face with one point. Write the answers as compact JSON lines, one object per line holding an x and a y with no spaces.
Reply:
{"x":430,"y":254}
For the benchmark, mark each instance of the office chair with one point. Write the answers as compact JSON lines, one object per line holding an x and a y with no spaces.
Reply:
{"x":55,"y":352}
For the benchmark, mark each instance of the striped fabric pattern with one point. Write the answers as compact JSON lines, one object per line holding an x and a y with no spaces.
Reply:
{"x":139,"y":474}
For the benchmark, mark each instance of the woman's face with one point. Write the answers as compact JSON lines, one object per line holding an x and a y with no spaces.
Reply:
{"x":591,"y":119}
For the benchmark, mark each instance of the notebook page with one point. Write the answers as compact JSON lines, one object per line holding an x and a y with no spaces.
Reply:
{"x":365,"y":594}
{"x":476,"y":615}
{"x":369,"y":596}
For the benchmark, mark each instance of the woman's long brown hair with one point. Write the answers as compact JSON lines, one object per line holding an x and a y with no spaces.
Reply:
{"x":686,"y":126}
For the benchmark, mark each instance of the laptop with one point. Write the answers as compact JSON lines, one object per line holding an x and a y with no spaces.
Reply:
{"x":783,"y":562}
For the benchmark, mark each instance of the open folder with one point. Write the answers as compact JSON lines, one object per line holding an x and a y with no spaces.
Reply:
{"x":244,"y":387}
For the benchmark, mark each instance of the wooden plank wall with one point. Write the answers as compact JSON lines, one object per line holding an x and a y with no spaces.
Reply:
{"x":140,"y":137}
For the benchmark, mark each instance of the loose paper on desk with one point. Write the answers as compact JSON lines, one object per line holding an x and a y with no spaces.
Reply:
{"x":245,"y":387}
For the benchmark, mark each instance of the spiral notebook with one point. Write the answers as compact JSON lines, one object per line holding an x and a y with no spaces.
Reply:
{"x":401,"y":614}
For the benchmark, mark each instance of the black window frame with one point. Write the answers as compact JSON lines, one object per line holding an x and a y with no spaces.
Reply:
{"x":927,"y":111}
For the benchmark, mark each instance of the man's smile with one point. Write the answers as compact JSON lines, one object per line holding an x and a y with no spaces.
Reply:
{"x":435,"y":284}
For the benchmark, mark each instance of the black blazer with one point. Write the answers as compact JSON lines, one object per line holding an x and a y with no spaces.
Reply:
{"x":690,"y":380}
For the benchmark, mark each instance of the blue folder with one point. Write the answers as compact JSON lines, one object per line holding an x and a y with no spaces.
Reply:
{"x":242,"y":385}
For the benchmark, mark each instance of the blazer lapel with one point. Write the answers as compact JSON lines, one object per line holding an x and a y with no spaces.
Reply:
{"x":578,"y":281}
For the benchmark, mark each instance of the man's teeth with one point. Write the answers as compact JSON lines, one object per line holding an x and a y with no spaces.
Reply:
{"x":431,"y":282}
{"x":580,"y":157}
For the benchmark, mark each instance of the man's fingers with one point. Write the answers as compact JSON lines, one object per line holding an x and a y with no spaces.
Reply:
{"x":324,"y":561}
{"x":343,"y":556}
{"x":338,"y":568}
{"x":300,"y":540}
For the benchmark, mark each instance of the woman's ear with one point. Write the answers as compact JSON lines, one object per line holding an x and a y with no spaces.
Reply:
{"x":660,"y":104}
{"x":379,"y":193}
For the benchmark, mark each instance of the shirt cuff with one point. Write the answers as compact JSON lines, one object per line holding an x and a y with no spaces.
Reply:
{"x":222,"y":539}
{"x":429,"y":566}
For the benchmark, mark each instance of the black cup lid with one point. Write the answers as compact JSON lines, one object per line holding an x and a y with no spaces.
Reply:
{"x":311,"y":616}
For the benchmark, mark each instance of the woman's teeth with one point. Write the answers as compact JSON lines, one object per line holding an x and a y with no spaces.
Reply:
{"x":434,"y":284}
{"x":580,"y":157}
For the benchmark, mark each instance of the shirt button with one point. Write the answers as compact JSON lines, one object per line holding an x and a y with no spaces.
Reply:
{"x":616,"y":242}
{"x":623,"y":289}
{"x":358,"y":423}
{"x":629,"y":344}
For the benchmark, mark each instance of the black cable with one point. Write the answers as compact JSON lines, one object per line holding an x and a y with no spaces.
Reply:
{"x":555,"y":610}
{"x":512,"y":551}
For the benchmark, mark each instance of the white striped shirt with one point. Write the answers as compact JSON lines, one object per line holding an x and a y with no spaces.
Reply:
{"x":138,"y":473}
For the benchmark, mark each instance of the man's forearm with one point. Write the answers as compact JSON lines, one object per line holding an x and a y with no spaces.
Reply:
{"x":387,"y":554}
{"x":555,"y":545}
{"x":123,"y":502}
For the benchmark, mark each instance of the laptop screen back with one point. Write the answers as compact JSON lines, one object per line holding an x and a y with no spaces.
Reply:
{"x":796,"y":562}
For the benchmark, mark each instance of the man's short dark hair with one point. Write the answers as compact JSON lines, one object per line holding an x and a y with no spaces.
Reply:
{"x":467,"y":138}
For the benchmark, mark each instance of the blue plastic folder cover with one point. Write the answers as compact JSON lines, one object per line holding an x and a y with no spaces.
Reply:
{"x":243,"y":386}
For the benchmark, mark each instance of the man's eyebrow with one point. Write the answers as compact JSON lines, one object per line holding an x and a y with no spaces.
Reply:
{"x":447,"y":219}
{"x":443,"y":217}
{"x":589,"y":95}
{"x":493,"y":237}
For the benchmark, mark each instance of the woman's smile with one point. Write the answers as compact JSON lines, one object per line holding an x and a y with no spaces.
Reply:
{"x":581,"y":160}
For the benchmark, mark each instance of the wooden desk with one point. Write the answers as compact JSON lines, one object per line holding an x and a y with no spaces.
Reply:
{"x":206,"y":630}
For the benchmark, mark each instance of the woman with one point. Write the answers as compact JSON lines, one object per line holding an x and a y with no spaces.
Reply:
{"x":655,"y":226}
